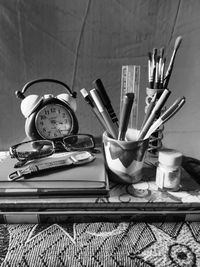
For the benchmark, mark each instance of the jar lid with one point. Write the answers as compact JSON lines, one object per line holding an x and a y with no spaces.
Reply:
{"x":170,"y":157}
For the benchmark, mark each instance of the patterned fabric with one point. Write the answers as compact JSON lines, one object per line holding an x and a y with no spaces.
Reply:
{"x":101,"y":244}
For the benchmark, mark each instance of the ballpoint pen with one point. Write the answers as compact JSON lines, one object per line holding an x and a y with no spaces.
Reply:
{"x":105,"y":99}
{"x":149,"y":109}
{"x":110,"y":126}
{"x":156,"y":110}
{"x":125,"y":115}
{"x":89,"y":100}
{"x":171,"y":111}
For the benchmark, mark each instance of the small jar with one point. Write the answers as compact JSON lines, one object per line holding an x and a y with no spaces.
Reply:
{"x":168,"y":173}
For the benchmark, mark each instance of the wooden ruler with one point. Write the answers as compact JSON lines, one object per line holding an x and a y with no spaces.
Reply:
{"x":130,"y":83}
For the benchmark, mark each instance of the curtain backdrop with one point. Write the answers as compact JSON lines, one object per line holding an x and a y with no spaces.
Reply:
{"x":77,"y":41}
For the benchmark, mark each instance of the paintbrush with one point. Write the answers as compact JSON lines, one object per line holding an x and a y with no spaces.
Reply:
{"x":171,"y":63}
{"x":162,"y":70}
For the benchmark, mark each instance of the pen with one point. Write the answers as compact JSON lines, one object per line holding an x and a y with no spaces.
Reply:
{"x":125,"y":115}
{"x":89,"y":100}
{"x":171,"y":63}
{"x":149,"y":109}
{"x":171,"y":111}
{"x":105,"y":99}
{"x":107,"y":119}
{"x":156,"y":110}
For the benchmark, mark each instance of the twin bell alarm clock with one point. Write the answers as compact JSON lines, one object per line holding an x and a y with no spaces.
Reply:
{"x":49,"y":117}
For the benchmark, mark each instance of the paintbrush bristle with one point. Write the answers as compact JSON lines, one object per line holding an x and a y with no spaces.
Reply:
{"x":150,"y":56}
{"x":162,"y":49}
{"x":177,"y":42}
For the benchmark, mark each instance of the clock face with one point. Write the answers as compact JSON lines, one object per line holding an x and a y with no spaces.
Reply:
{"x":53,"y":121}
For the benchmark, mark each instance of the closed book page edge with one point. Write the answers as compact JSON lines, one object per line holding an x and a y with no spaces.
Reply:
{"x":89,"y":176}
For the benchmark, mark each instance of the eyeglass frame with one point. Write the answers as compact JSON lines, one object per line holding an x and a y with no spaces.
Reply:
{"x":13,"y":148}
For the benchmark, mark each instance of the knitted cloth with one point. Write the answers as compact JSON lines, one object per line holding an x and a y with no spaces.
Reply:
{"x":101,"y":244}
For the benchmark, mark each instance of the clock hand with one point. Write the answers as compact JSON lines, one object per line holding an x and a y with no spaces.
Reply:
{"x":52,"y":121}
{"x":55,"y":122}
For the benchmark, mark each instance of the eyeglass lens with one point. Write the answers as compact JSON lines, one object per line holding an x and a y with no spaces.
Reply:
{"x":78,"y":142}
{"x":34,"y":150}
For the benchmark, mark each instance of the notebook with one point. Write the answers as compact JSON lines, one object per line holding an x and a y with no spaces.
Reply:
{"x":88,"y":180}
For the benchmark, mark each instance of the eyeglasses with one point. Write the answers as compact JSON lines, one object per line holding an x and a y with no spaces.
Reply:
{"x":37,"y":149}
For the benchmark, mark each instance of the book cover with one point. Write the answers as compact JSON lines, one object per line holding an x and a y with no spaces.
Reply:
{"x":88,"y":179}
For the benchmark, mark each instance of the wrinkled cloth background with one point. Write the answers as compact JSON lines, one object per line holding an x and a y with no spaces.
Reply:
{"x":77,"y":41}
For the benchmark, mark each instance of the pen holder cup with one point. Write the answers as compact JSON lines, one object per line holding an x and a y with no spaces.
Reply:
{"x":124,"y":160}
{"x":155,"y":140}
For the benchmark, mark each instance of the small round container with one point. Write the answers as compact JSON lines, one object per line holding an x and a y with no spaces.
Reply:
{"x":168,"y":173}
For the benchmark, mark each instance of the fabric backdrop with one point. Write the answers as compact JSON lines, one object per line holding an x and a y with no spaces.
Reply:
{"x":77,"y":41}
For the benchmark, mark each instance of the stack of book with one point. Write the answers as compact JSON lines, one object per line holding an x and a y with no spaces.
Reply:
{"x":86,"y":180}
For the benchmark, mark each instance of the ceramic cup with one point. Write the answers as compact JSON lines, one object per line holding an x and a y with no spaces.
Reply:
{"x":124,"y":159}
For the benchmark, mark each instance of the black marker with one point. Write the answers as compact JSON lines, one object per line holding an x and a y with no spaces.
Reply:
{"x":125,"y":115}
{"x":105,"y":99}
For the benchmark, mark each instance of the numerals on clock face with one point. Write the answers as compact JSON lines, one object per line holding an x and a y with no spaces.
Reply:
{"x":53,"y":121}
